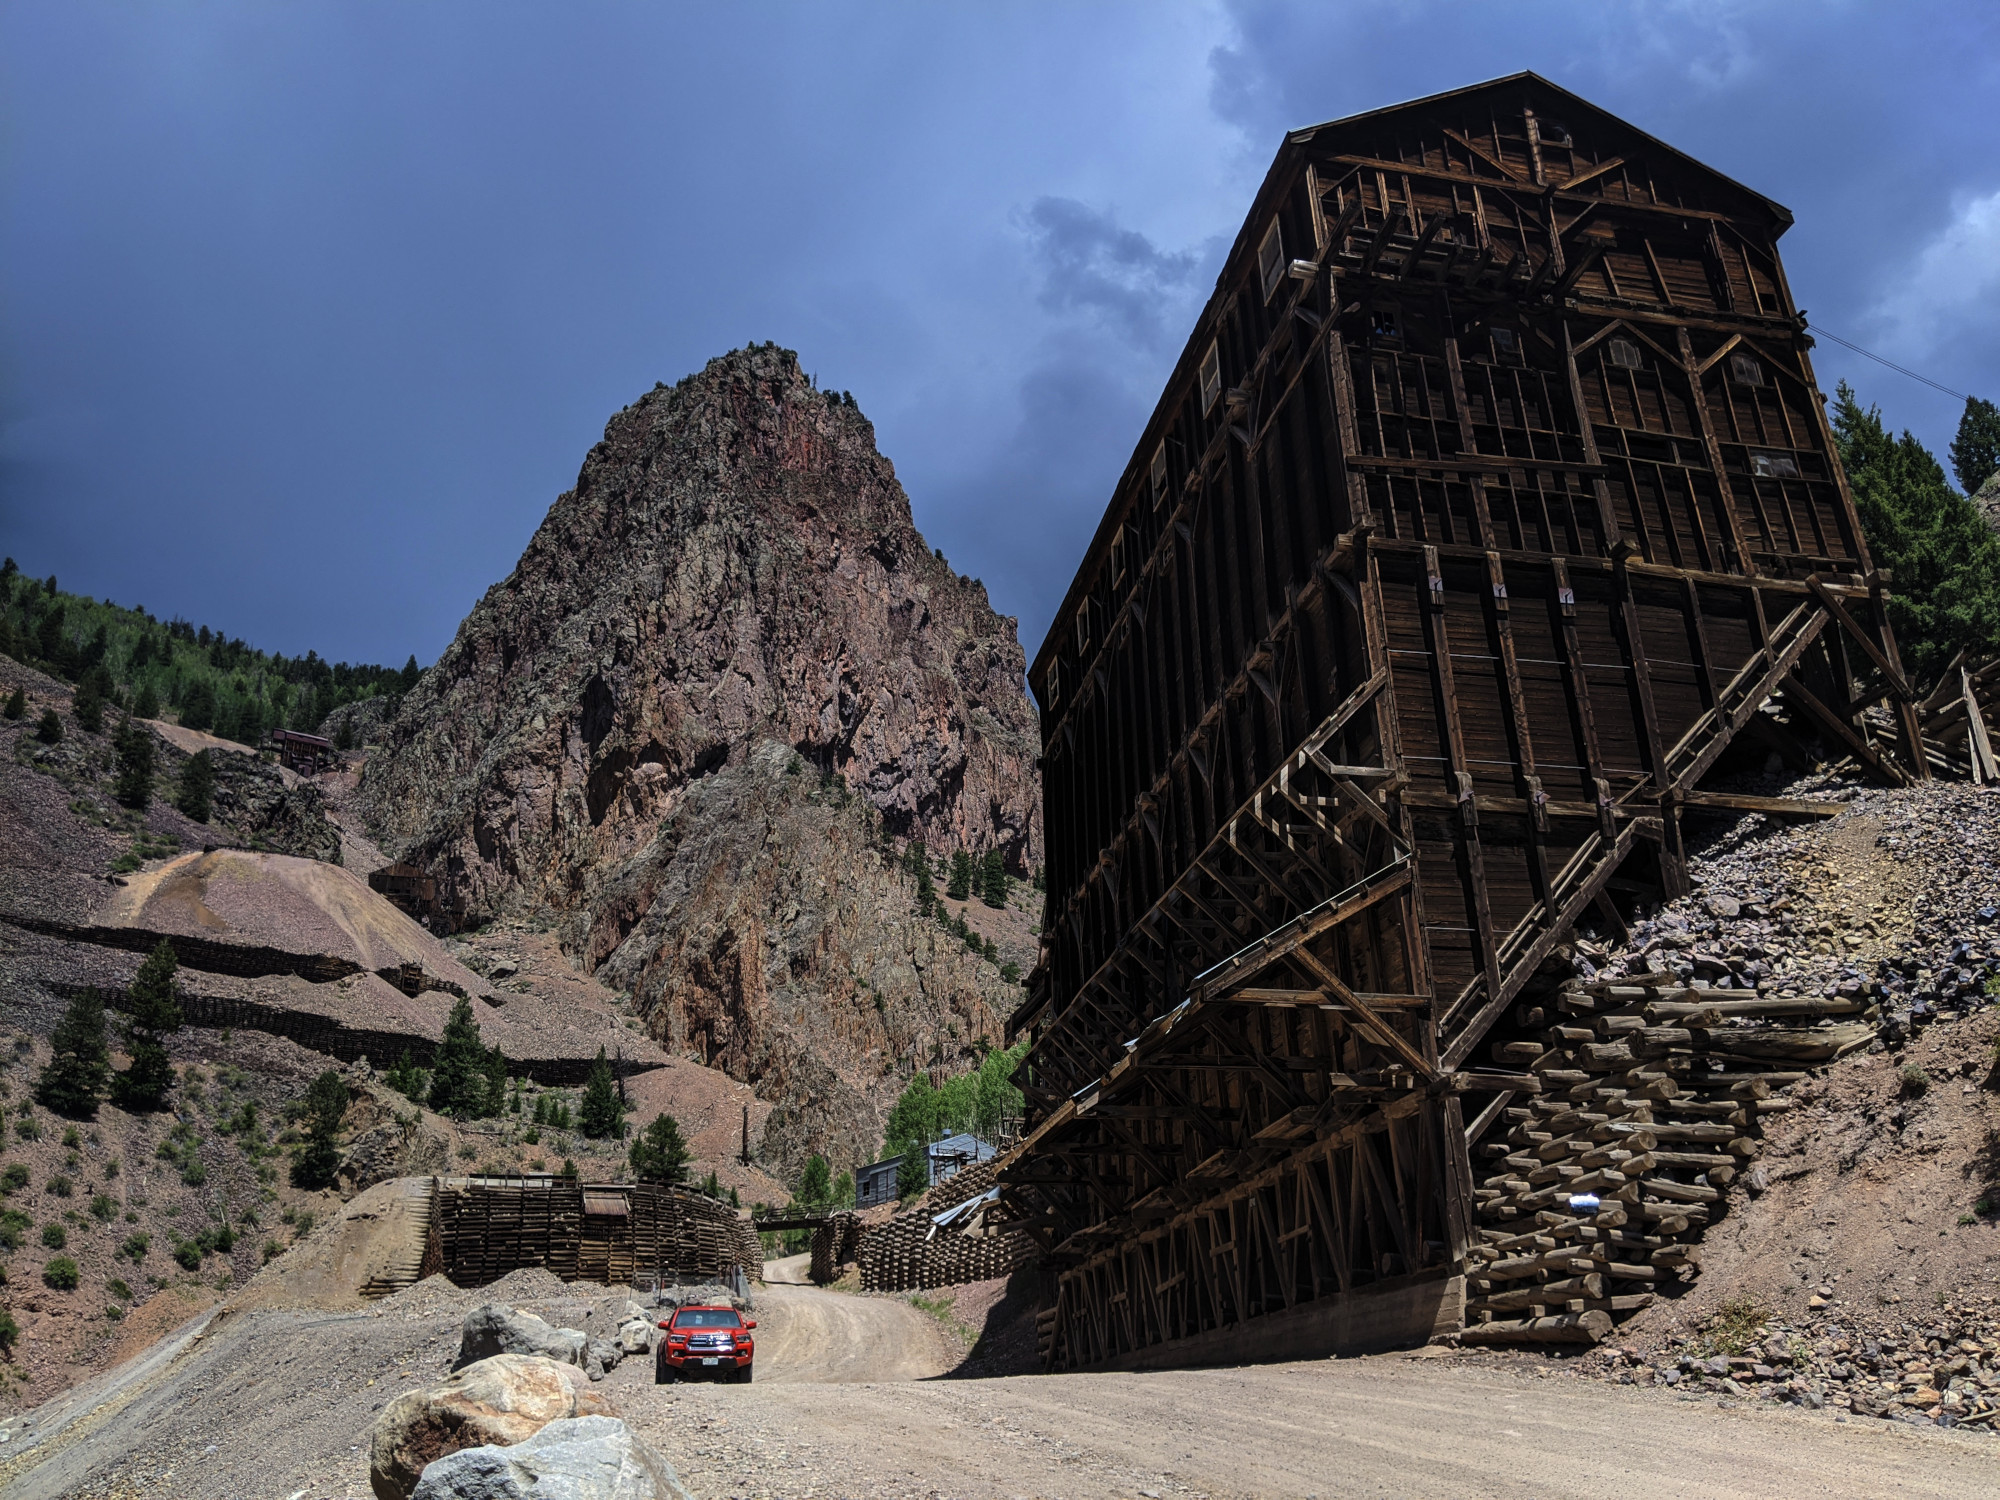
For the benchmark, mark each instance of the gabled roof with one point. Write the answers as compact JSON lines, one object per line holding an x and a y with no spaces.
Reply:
{"x":1573,"y":106}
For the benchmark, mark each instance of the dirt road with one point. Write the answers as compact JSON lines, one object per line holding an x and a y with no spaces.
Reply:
{"x":809,"y":1337}
{"x":1384,"y":1426}
{"x":277,"y":1406}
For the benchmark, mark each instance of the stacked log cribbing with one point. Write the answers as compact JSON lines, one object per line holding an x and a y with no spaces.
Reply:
{"x":913,"y":1253}
{"x":1604,"y":1175}
{"x":490,"y":1226}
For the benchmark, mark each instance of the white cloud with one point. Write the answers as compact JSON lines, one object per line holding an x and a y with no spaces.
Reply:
{"x":1948,"y":291}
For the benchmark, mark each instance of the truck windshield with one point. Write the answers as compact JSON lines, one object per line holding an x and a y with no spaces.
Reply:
{"x":707,"y":1317}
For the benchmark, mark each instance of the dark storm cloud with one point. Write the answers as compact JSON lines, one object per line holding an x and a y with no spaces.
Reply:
{"x":1089,"y":262}
{"x":307,"y":312}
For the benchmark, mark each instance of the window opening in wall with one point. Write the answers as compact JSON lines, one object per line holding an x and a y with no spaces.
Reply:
{"x":1554,"y":133}
{"x":1746,"y":369}
{"x":1386,"y":325}
{"x":1774,"y":465}
{"x":1159,"y":473}
{"x":1118,"y":557}
{"x":1625,"y":354}
{"x":1211,"y":378}
{"x":1271,"y":259}
{"x":1055,"y":687}
{"x":1083,"y":628}
{"x":1507,"y":345}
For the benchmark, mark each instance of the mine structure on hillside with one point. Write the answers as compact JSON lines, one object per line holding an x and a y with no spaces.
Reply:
{"x":1490,"y":505}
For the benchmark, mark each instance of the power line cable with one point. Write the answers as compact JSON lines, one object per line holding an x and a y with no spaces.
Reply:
{"x":1845,"y":344}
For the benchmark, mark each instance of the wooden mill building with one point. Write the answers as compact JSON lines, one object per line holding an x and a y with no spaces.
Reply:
{"x":1490,"y":500}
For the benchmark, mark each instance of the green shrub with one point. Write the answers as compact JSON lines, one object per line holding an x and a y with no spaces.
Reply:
{"x":103,"y":1209}
{"x":61,"y":1274}
{"x":1916,"y":1082}
{"x":28,"y":1128}
{"x":49,"y":731}
{"x":117,"y":1287}
{"x":54,"y":1236}
{"x":136,"y":1245}
{"x":10,"y":1332}
{"x":59,"y":1186}
{"x":188,"y":1254}
{"x":13,"y":1178}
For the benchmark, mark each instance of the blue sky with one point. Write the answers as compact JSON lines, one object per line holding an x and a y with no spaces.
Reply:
{"x":309,"y":311}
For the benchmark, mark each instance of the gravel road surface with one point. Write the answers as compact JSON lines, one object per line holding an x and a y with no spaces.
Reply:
{"x":277,"y":1405}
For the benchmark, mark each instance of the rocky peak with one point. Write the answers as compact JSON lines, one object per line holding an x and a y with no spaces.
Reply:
{"x":690,"y":728}
{"x":736,"y":563}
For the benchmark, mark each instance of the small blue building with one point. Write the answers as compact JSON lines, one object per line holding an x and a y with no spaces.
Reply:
{"x":876,"y":1183}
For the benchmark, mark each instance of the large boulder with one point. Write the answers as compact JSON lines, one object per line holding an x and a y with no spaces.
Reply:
{"x":588,"y":1458}
{"x":505,"y":1399}
{"x":635,"y":1335}
{"x":495,"y":1328}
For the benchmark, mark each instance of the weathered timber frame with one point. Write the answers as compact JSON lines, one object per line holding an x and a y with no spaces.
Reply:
{"x":1383,"y":668}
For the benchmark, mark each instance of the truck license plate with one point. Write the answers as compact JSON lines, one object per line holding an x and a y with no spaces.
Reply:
{"x":712,"y":1359}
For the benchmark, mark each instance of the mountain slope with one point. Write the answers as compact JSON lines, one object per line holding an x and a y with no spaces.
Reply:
{"x":736,"y":568}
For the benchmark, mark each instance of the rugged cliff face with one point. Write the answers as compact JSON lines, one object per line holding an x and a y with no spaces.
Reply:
{"x":737,"y":568}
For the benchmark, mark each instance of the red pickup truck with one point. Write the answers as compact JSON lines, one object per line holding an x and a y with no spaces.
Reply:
{"x":705,"y":1341}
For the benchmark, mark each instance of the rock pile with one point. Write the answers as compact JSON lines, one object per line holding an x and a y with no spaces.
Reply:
{"x":1942,"y":1370}
{"x":506,"y":1398}
{"x":583,"y":1458}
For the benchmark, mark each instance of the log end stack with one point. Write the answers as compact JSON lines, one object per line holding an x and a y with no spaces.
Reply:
{"x":912,"y":1253}
{"x":1594,"y":1189}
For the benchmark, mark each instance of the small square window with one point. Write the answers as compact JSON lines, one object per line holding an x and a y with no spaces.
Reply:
{"x":1555,"y":133}
{"x":1774,"y":465}
{"x":1507,"y":345}
{"x":1746,"y":369}
{"x":1159,"y":475}
{"x":1271,"y":259}
{"x":1211,"y":379}
{"x":1625,"y":354}
{"x":1386,"y":325}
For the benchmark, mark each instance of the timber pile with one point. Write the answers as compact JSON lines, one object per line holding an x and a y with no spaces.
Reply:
{"x":1640,"y":1105}
{"x":913,"y":1253}
{"x":1957,"y":719}
{"x":835,"y":1243}
{"x":487,"y":1227}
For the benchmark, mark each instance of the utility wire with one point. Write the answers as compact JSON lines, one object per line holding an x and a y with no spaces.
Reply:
{"x":1889,"y":362}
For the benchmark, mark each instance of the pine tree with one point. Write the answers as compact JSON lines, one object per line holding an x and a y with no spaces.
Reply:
{"x":343,"y":737}
{"x":1945,"y":558}
{"x":959,"y":887}
{"x":815,"y":1185}
{"x":913,"y":1172}
{"x":134,"y":786}
{"x":993,"y":878}
{"x":147,"y":705}
{"x":1975,"y":452}
{"x":196,"y":795}
{"x":198,"y":707}
{"x":459,"y":1071}
{"x":660,"y":1154}
{"x":17,"y":705}
{"x":153,"y":1012}
{"x":496,"y":1082}
{"x":601,"y":1116}
{"x":87,"y":707}
{"x":49,"y":731}
{"x":73,"y":1081}
{"x":412,"y":673}
{"x":407,"y":1079}
{"x":325,"y":1106}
